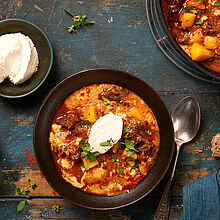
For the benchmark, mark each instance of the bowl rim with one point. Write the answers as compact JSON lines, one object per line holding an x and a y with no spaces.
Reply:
{"x":47,"y":99}
{"x":51,"y":55}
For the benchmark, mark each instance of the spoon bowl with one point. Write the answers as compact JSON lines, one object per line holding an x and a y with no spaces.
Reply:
{"x":186,"y":120}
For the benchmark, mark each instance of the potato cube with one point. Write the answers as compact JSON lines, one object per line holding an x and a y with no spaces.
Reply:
{"x":199,"y":53}
{"x":187,"y":19}
{"x":134,"y":112}
{"x":210,"y":42}
{"x":89,"y":113}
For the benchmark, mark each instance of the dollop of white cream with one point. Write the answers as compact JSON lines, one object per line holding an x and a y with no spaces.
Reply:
{"x":106,"y":129}
{"x":18,"y":57}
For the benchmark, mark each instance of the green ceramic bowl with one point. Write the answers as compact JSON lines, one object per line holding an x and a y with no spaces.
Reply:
{"x":45,"y":55}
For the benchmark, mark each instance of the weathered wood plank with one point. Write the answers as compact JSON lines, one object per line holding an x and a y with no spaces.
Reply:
{"x":42,"y":209}
{"x":120,"y":39}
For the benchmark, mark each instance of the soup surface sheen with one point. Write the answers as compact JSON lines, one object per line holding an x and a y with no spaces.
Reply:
{"x":126,"y":163}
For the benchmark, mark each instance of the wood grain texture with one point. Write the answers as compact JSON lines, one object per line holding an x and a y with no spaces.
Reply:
{"x":120,"y":39}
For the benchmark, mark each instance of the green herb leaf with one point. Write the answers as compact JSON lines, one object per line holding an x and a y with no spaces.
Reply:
{"x":105,"y":143}
{"x":83,"y":154}
{"x":57,"y":208}
{"x":106,"y":101}
{"x":21,"y":205}
{"x":130,"y":153}
{"x":92,"y":156}
{"x":115,"y":182}
{"x":200,"y":2}
{"x":129,"y":145}
{"x":126,"y":131}
{"x":81,"y":144}
{"x":120,"y":169}
{"x":31,"y":184}
{"x":86,"y":122}
{"x":198,"y":22}
{"x":27,"y":196}
{"x":128,"y":159}
{"x":114,"y":158}
{"x":148,"y":132}
{"x":87,"y":147}
{"x":19,"y":191}
{"x":78,"y":21}
{"x":136,"y":163}
{"x":191,"y":9}
{"x":85,"y":164}
{"x":88,"y":23}
{"x":26,"y":189}
{"x":217,"y":3}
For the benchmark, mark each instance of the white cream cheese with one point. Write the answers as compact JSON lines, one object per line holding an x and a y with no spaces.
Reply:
{"x":18,"y":57}
{"x":106,"y":129}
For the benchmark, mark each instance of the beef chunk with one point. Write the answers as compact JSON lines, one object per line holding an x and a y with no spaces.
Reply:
{"x":70,"y":150}
{"x":183,"y":39}
{"x":113,"y":94}
{"x":68,"y":120}
{"x":144,"y":145}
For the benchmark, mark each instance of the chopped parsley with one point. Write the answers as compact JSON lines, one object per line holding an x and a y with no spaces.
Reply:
{"x":120,"y":169}
{"x":21,"y":205}
{"x":56,"y":208}
{"x":86,"y":122}
{"x":191,"y":9}
{"x":126,"y":131}
{"x":79,"y":20}
{"x":198,"y":22}
{"x":105,"y":143}
{"x":149,"y":132}
{"x":128,"y":159}
{"x":115,"y":182}
{"x":85,"y":165}
{"x":200,"y":2}
{"x":106,"y":101}
{"x":217,"y":3}
{"x":86,"y":152}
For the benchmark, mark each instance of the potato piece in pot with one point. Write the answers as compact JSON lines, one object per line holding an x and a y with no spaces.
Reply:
{"x":210,"y":42}
{"x":199,"y":53}
{"x":94,"y":175}
{"x":187,"y":19}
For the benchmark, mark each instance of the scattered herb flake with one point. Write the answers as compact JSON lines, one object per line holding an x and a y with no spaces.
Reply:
{"x":130,"y":153}
{"x":19,"y":191}
{"x":200,"y":2}
{"x":92,"y":156}
{"x":126,"y":131}
{"x":83,"y":154}
{"x":27,"y":196}
{"x":128,"y":159}
{"x":198,"y":22}
{"x":86,"y":122}
{"x":120,"y":169}
{"x":57,"y":208}
{"x":217,"y":3}
{"x":106,"y":101}
{"x":129,"y":145}
{"x":81,"y":144}
{"x":114,"y":158}
{"x":115,"y":182}
{"x":191,"y":9}
{"x":149,"y":133}
{"x":78,"y":21}
{"x":105,"y":143}
{"x":85,"y":164}
{"x":21,"y":205}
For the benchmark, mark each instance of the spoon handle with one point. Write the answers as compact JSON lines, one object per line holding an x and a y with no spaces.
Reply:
{"x":163,"y":208}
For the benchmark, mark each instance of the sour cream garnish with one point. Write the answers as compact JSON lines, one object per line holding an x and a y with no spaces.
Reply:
{"x":106,"y":129}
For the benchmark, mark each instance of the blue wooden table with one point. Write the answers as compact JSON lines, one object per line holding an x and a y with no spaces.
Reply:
{"x":120,"y":39}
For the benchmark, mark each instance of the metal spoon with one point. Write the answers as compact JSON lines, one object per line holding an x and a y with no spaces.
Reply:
{"x":186,"y":121}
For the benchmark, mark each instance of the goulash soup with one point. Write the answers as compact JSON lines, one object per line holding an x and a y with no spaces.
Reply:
{"x":104,"y":139}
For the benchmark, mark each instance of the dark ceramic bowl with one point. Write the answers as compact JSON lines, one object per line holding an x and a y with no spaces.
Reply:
{"x":45,"y":55}
{"x":43,"y":153}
